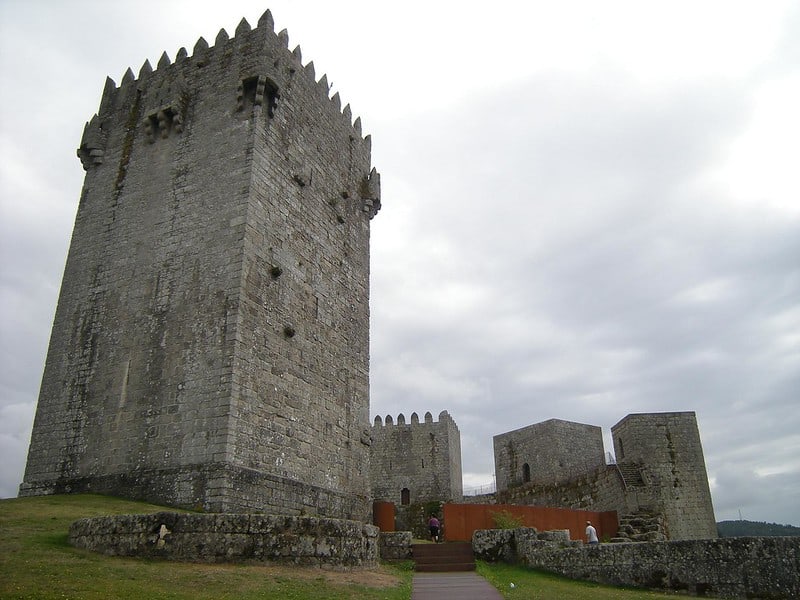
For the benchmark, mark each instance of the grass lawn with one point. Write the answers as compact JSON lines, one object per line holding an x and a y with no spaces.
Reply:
{"x":36,"y":562}
{"x":535,"y":584}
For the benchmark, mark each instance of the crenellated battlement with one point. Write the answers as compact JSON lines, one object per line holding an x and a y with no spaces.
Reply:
{"x":444,"y":417}
{"x":263,"y":77}
{"x":274,"y":48}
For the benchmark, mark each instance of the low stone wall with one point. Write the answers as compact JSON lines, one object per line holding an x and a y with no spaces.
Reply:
{"x":766,"y":568}
{"x":490,"y":498}
{"x":511,"y":545}
{"x":395,"y":545}
{"x":308,"y":541}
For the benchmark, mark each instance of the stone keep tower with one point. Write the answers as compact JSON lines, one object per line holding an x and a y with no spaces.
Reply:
{"x":416,"y":462}
{"x":546,"y":453}
{"x":211,"y":342}
{"x":667,"y":449}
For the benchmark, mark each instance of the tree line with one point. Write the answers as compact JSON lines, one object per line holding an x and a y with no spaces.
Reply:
{"x":755,"y":529}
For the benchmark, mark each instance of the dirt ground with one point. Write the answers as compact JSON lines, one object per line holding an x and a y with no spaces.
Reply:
{"x":378,"y":577}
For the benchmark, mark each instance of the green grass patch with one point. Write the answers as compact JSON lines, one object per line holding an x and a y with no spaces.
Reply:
{"x":529,"y":583}
{"x":36,"y":561}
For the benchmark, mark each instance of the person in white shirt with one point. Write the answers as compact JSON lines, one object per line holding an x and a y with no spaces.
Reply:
{"x":591,"y":533}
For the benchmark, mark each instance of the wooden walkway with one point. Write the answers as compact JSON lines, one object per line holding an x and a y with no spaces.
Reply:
{"x":460,"y":585}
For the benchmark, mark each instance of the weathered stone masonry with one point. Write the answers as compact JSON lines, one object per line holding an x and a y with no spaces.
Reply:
{"x":416,"y":462}
{"x":553,"y":450}
{"x":667,"y":451}
{"x":211,"y":342}
{"x":307,"y":541}
{"x":720,"y":568}
{"x":660,"y":472}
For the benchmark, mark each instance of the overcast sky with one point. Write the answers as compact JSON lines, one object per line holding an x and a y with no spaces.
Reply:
{"x":590,"y":209}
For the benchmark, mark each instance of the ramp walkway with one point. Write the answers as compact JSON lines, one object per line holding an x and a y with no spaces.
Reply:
{"x":463,"y":585}
{"x":448,"y":571}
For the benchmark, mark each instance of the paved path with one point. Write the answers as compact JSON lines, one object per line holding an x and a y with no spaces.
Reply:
{"x":460,"y":585}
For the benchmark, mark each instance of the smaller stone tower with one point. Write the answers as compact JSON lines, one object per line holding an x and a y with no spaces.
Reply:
{"x":416,"y":462}
{"x":546,"y":453}
{"x":667,"y":449}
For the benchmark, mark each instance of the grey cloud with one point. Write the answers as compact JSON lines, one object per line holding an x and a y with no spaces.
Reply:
{"x":740,"y":491}
{"x":14,"y":438}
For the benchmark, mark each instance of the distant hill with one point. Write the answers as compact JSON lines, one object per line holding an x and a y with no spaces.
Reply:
{"x":755,"y":529}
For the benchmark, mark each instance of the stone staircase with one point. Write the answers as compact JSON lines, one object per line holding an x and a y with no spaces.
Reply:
{"x":445,"y":557}
{"x":631,"y":474}
{"x":642,"y":526}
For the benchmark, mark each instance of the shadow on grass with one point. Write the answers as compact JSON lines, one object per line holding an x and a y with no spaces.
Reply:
{"x":520,"y":582}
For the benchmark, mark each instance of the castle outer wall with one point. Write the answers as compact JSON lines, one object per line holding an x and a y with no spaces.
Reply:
{"x":210,"y":347}
{"x":416,"y":462}
{"x":765,"y":567}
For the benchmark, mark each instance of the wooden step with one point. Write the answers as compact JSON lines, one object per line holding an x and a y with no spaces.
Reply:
{"x":446,"y":557}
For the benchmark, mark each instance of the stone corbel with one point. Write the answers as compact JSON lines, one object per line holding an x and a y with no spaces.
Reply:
{"x":163,"y":121}
{"x":371,"y":193}
{"x":259,"y":91}
{"x":366,"y":437}
{"x":93,"y":142}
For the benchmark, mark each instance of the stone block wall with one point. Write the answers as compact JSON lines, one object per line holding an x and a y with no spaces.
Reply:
{"x":604,"y":489}
{"x":546,"y":452}
{"x":422,"y":458}
{"x":216,"y":538}
{"x":211,"y":342}
{"x":512,"y":545}
{"x":720,"y":568}
{"x":601,"y":489}
{"x":395,"y":545}
{"x":642,"y":526}
{"x":490,"y":498}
